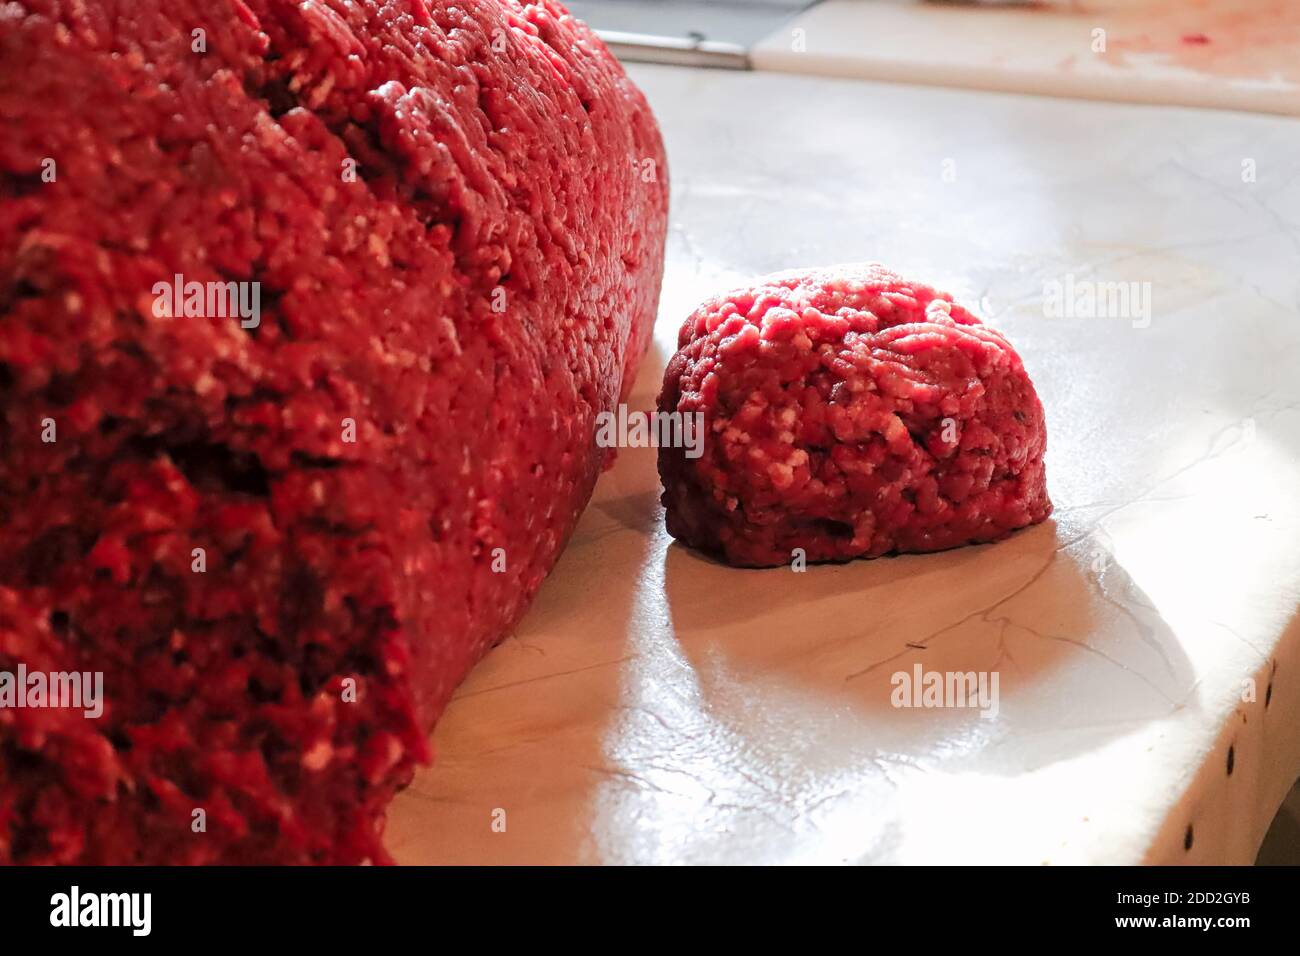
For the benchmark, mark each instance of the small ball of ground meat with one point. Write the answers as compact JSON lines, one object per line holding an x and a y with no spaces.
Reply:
{"x":848,"y":413}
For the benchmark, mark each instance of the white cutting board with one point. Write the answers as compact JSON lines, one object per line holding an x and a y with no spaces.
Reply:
{"x":1228,"y":54}
{"x":656,"y":707}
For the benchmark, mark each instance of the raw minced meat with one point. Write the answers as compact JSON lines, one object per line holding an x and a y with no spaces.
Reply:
{"x":848,"y":413}
{"x":284,"y":542}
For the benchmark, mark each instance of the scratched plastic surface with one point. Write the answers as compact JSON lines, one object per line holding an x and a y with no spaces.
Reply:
{"x":658,"y":708}
{"x":1225,"y":54}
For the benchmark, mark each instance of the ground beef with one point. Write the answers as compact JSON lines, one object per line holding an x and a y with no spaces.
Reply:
{"x":848,"y":413}
{"x":284,"y":544}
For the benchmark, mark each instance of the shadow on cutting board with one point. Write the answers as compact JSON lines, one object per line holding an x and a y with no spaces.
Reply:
{"x":1080,"y":652}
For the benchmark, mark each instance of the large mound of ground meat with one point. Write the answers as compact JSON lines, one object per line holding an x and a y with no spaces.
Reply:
{"x":848,"y":413}
{"x":283,"y":544}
